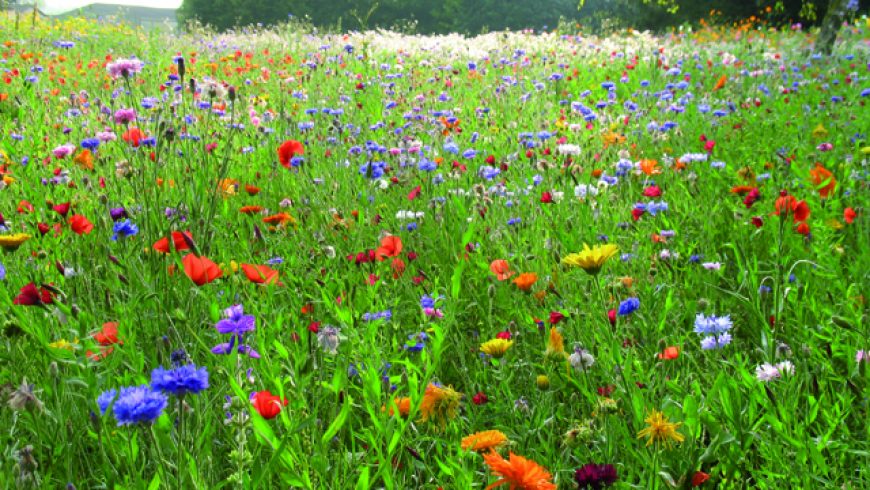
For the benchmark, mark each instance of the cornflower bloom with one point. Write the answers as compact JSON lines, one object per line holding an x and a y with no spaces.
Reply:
{"x":237,"y":324}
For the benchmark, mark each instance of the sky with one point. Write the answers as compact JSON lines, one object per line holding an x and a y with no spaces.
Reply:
{"x":60,"y":6}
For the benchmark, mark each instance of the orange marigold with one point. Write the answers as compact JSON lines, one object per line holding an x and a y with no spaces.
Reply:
{"x":518,"y":472}
{"x":526,"y":280}
{"x":481,"y":441}
{"x":819,"y":176}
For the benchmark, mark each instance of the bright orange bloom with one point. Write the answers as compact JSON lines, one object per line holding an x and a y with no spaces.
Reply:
{"x":742,"y":190}
{"x":501,"y":269}
{"x":398,"y":266}
{"x":670,"y":353}
{"x":178,"y":242}
{"x":403,"y":404}
{"x":720,"y":83}
{"x":108,"y":335}
{"x":485,"y":440}
{"x":280,"y":219}
{"x":133,"y":136}
{"x":526,"y":280}
{"x":251,"y":209}
{"x":261,"y":274}
{"x":803,"y":228}
{"x":518,"y":472}
{"x":439,"y":402}
{"x":819,"y":176}
{"x":252,"y":190}
{"x":391,"y":246}
{"x":200,"y":270}
{"x":85,"y":159}
{"x":649,"y":166}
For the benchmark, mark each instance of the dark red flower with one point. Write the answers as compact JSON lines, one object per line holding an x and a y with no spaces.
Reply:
{"x":611,"y":316}
{"x":505,"y":335}
{"x":699,"y":478}
{"x":556,"y":317}
{"x":62,"y":209}
{"x":479,"y":398}
{"x":546,"y":197}
{"x":30,"y":295}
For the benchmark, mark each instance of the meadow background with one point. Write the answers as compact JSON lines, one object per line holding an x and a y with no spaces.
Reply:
{"x":397,"y":213}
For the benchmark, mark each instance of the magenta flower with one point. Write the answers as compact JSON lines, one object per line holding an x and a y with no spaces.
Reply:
{"x":124,"y":68}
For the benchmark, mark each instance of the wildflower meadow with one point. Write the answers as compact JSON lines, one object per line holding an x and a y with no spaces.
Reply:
{"x":278,"y":258}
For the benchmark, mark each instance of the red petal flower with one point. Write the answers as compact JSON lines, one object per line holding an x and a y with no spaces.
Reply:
{"x":80,"y":225}
{"x":261,"y":274}
{"x":288,"y":150}
{"x":200,"y":270}
{"x":267,"y":404}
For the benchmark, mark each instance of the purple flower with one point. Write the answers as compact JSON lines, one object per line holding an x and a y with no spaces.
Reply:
{"x":628,"y":306}
{"x":124,"y":68}
{"x":117,"y":213}
{"x":124,"y":116}
{"x":105,"y":400}
{"x":237,"y":324}
{"x":595,"y":476}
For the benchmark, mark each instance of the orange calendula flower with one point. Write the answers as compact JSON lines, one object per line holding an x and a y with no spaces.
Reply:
{"x":819,"y":176}
{"x":720,"y":84}
{"x":439,"y":403}
{"x":402,"y":404}
{"x":650,"y":167}
{"x":518,"y":472}
{"x":556,"y":344}
{"x":483,"y":441}
{"x":526,"y":280}
{"x":250,"y":209}
{"x":280,"y":219}
{"x":85,"y":159}
{"x":742,"y":190}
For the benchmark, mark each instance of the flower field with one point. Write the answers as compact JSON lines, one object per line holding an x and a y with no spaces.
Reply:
{"x":277,"y":259}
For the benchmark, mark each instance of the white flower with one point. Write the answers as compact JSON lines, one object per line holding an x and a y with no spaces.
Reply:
{"x":582,"y":190}
{"x":766,"y":372}
{"x":568,"y":149}
{"x":712,"y":266}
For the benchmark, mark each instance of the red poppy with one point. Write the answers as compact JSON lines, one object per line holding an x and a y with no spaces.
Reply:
{"x":786,"y":205}
{"x":61,"y":209}
{"x":699,"y":478}
{"x":556,"y":317}
{"x":30,"y":295}
{"x":546,"y":197}
{"x":25,"y":207}
{"x":849,"y":215}
{"x":267,"y":404}
{"x":504,"y":335}
{"x":391,"y":246}
{"x":670,"y":353}
{"x":200,"y":270}
{"x":398,"y":266}
{"x":108,"y":335}
{"x":80,"y":225}
{"x":414,"y":193}
{"x":261,"y":274}
{"x":501,"y":269}
{"x":288,"y":150}
{"x":133,"y":136}
{"x":611,"y":316}
{"x":252,"y":190}
{"x":178,"y":241}
{"x":803,"y":228}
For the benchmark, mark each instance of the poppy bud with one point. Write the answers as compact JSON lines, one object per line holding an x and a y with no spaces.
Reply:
{"x":232,"y":93}
{"x":192,"y":86}
{"x":181,"y":69}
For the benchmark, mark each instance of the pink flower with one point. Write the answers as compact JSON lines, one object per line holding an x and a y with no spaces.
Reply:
{"x":124,"y":68}
{"x":430,"y":312}
{"x":652,"y":191}
{"x":63,"y":151}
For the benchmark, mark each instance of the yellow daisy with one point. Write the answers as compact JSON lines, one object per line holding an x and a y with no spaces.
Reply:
{"x":591,"y":259}
{"x":12,"y":242}
{"x":483,"y":441}
{"x":496,"y":347}
{"x":439,"y":402}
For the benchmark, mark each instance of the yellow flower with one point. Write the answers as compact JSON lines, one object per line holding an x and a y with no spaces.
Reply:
{"x":485,"y":440}
{"x":591,"y":259}
{"x":556,"y":344}
{"x":660,"y":429}
{"x":543,"y":381}
{"x":13,"y":241}
{"x":439,"y":402}
{"x":65,"y":345}
{"x":820,"y":132}
{"x":496,"y":347}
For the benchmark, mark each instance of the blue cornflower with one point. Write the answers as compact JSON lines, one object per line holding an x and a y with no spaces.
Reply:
{"x":628,"y":306}
{"x":181,"y":380}
{"x":104,"y":401}
{"x":237,"y":324}
{"x":469,"y":154}
{"x":124,"y":229}
{"x":514,"y":221}
{"x":90,"y":143}
{"x":138,"y":404}
{"x":763,"y":289}
{"x":427,"y":301}
{"x":488,"y":172}
{"x":427,"y":165}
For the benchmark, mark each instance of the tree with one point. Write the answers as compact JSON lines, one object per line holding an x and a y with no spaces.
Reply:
{"x":836,"y":13}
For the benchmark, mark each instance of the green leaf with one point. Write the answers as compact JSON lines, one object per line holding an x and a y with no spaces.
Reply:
{"x":155,"y":482}
{"x":339,"y":421}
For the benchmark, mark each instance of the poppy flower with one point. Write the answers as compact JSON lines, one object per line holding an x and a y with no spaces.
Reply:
{"x":30,"y":295}
{"x":391,"y":246}
{"x":280,"y":219}
{"x":108,"y":335}
{"x":267,"y":404}
{"x":200,"y":270}
{"x":252,"y":190}
{"x":501,"y":269}
{"x":670,"y":353}
{"x":546,"y":197}
{"x":24,"y":207}
{"x":61,"y":209}
{"x":699,"y":478}
{"x":819,"y":175}
{"x":288,"y":150}
{"x":261,"y":274}
{"x":803,"y":228}
{"x":398,"y":266}
{"x":80,"y":225}
{"x":133,"y":136}
{"x":178,"y":241}
{"x":251,"y":209}
{"x":849,"y":215}
{"x":479,"y":398}
{"x":786,"y":204}
{"x":720,"y":84}
{"x":649,"y":167}
{"x":414,"y":193}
